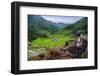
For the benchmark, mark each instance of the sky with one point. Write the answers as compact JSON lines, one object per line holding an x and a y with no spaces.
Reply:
{"x":63,"y":19}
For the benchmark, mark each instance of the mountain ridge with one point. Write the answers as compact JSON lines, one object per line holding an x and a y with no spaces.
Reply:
{"x":40,"y":27}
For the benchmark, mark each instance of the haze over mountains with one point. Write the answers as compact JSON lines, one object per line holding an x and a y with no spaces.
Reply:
{"x":38,"y":26}
{"x":39,"y":19}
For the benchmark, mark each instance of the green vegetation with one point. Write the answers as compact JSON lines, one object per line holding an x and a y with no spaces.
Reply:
{"x":55,"y":41}
{"x":43,"y":35}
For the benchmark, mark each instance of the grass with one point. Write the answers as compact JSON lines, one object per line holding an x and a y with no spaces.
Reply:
{"x":40,"y":45}
{"x":54,"y":41}
{"x":43,"y":46}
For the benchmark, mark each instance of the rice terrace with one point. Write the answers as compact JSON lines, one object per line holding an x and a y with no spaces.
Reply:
{"x":53,"y":37}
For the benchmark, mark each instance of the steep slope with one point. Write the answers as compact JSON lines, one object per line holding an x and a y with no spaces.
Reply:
{"x":82,"y":24}
{"x":39,"y":27}
{"x":79,"y":25}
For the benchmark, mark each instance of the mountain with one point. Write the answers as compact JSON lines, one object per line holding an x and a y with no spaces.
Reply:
{"x":61,"y":25}
{"x":79,"y":25}
{"x":37,"y":23}
{"x":40,"y":27}
{"x":73,"y":28}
